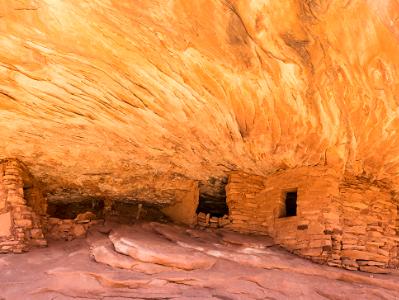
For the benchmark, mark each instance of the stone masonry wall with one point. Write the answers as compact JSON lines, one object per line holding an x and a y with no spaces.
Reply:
{"x":70,"y":229}
{"x":246,"y":212}
{"x":207,"y":221}
{"x":368,"y":217}
{"x":344,"y":222}
{"x":20,"y":226}
{"x":256,"y":206}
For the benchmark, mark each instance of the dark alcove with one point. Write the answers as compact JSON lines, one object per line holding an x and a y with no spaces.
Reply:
{"x":290,"y":204}
{"x":216,"y":206}
{"x":70,"y":210}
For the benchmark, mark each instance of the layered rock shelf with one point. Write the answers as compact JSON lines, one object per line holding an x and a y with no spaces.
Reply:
{"x":127,"y":99}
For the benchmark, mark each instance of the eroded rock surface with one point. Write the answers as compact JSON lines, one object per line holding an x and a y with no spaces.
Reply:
{"x":244,"y":267}
{"x":126,"y":99}
{"x":145,"y":246}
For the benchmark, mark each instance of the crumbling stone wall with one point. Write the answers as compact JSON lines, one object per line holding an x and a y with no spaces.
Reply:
{"x":368,"y":218}
{"x":207,"y":221}
{"x":20,"y":224}
{"x":342,"y":221}
{"x":70,"y":229}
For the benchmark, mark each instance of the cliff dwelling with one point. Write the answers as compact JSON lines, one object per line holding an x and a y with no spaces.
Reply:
{"x":215,"y":206}
{"x":235,"y":149}
{"x":21,"y":208}
{"x":341,"y":221}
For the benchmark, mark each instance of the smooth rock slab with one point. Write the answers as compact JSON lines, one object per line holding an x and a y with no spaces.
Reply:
{"x":107,"y":255}
{"x":64,"y":270}
{"x":151,"y":248}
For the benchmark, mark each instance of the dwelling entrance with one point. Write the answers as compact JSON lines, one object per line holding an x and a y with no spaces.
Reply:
{"x":214,"y":206}
{"x":289,"y":208}
{"x":212,"y":210}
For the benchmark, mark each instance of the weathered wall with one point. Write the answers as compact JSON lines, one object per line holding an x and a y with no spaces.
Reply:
{"x":368,"y":219}
{"x":340,"y":221}
{"x":246,"y":213}
{"x":185,"y":205}
{"x":255,"y":205}
{"x":69,"y":229}
{"x":20,"y":225}
{"x":207,"y":221}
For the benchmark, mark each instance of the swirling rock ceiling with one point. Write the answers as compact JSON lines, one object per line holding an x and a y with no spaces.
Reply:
{"x":130,"y":98}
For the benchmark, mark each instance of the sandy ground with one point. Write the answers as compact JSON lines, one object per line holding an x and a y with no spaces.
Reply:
{"x":158,"y":261}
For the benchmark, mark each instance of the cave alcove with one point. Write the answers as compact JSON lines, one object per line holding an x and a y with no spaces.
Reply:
{"x":128,"y":212}
{"x":213,"y":200}
{"x":70,"y":210}
{"x":214,"y":205}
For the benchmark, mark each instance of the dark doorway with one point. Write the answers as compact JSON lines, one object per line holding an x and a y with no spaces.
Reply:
{"x":216,"y":206}
{"x":290,"y":204}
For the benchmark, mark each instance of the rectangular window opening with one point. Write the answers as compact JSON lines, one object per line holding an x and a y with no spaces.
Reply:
{"x":290,"y":204}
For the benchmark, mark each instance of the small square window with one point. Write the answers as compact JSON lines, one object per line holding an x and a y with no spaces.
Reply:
{"x":290,"y":204}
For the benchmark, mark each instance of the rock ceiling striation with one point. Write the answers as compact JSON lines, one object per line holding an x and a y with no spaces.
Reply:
{"x":129,"y":99}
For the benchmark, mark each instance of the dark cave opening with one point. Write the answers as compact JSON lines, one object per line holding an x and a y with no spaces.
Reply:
{"x":290,"y":204}
{"x":70,"y":210}
{"x":212,"y":198}
{"x":216,"y":206}
{"x":128,"y":212}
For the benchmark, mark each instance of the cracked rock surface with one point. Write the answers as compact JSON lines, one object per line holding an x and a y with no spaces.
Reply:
{"x":224,"y":266}
{"x":129,"y":98}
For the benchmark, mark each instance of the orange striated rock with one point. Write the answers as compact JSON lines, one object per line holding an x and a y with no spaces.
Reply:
{"x":127,"y":98}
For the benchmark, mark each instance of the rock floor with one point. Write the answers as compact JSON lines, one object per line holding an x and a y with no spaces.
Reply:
{"x":158,"y":261}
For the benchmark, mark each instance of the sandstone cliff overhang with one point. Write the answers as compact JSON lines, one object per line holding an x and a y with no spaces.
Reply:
{"x":129,"y":99}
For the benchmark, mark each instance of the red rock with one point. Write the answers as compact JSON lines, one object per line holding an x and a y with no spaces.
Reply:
{"x":157,"y":250}
{"x":374,"y":269}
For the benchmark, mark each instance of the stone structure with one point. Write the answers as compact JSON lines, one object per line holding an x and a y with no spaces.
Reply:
{"x":339,"y":220}
{"x":206,"y":220}
{"x":68,"y":229}
{"x":21,"y":205}
{"x":315,"y":212}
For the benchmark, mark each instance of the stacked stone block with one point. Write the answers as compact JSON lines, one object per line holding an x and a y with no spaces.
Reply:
{"x":246,"y":213}
{"x":369,"y":239}
{"x":342,"y":221}
{"x":206,"y":220}
{"x":70,"y":229}
{"x":21,"y":226}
